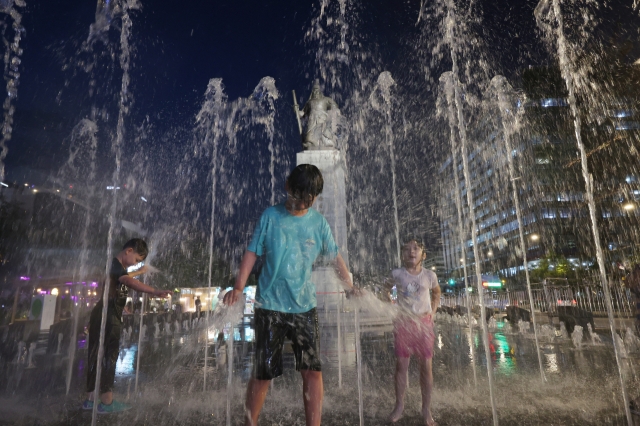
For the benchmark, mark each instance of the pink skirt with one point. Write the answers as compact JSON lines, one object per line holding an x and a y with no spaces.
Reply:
{"x":413,"y":336}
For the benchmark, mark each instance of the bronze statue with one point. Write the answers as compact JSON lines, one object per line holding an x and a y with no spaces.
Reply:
{"x":319,"y":133}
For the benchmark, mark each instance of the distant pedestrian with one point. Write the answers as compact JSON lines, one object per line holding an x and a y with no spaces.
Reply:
{"x":198,"y":306}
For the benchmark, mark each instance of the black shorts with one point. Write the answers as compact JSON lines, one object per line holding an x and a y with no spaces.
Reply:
{"x":272,"y":328}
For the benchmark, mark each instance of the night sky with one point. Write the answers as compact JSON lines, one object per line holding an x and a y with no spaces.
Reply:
{"x":177,"y":49}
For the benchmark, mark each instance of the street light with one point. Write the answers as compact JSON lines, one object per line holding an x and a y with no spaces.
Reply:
{"x":535,"y":237}
{"x":629,"y":206}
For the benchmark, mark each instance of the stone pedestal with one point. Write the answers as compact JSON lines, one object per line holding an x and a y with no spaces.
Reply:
{"x":332,"y":203}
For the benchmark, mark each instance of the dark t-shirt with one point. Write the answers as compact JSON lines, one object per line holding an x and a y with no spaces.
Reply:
{"x":118,"y":292}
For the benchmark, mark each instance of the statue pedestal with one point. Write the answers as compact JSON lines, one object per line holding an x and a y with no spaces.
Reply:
{"x":332,"y":203}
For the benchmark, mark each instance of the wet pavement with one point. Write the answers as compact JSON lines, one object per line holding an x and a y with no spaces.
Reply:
{"x":582,"y":386}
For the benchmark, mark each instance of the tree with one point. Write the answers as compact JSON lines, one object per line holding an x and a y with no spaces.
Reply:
{"x":553,"y":265}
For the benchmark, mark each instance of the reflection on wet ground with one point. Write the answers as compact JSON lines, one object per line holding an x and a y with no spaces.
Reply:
{"x":582,"y":385}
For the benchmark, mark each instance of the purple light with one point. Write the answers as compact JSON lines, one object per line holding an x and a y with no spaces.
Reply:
{"x":68,"y":283}
{"x":24,"y":278}
{"x":94,"y":284}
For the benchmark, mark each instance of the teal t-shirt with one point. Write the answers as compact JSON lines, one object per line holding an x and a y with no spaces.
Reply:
{"x":290,"y":245}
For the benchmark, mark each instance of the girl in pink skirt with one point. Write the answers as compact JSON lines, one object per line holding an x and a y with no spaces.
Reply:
{"x":418,"y":297}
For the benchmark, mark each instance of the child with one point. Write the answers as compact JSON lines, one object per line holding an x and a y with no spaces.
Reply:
{"x":290,"y":236}
{"x":418,"y":297}
{"x":133,"y":252}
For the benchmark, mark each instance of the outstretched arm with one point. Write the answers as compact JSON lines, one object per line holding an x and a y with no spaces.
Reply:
{"x":136,"y":285}
{"x":246,"y":265}
{"x":344,"y":275}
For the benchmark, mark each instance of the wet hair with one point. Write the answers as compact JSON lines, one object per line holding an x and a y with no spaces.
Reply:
{"x":304,"y":181}
{"x":412,"y":238}
{"x":138,"y":245}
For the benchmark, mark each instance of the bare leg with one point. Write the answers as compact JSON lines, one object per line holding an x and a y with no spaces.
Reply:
{"x":256,"y":394}
{"x":106,"y":398}
{"x":312,"y":393}
{"x":426,"y":385}
{"x":402,"y":367}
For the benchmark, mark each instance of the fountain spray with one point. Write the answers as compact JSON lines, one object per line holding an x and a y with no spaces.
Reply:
{"x":454,"y":88}
{"x":125,"y":56}
{"x":229,"y":372}
{"x":140,"y":337}
{"x":552,"y":10}
{"x":501,"y":85}
{"x":264,"y":95}
{"x":85,"y":130}
{"x":385,"y":82}
{"x":446,"y":79}
{"x":11,"y":75}
{"x":209,"y":119}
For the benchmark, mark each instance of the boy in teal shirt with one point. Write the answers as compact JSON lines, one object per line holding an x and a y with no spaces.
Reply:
{"x":290,"y":236}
